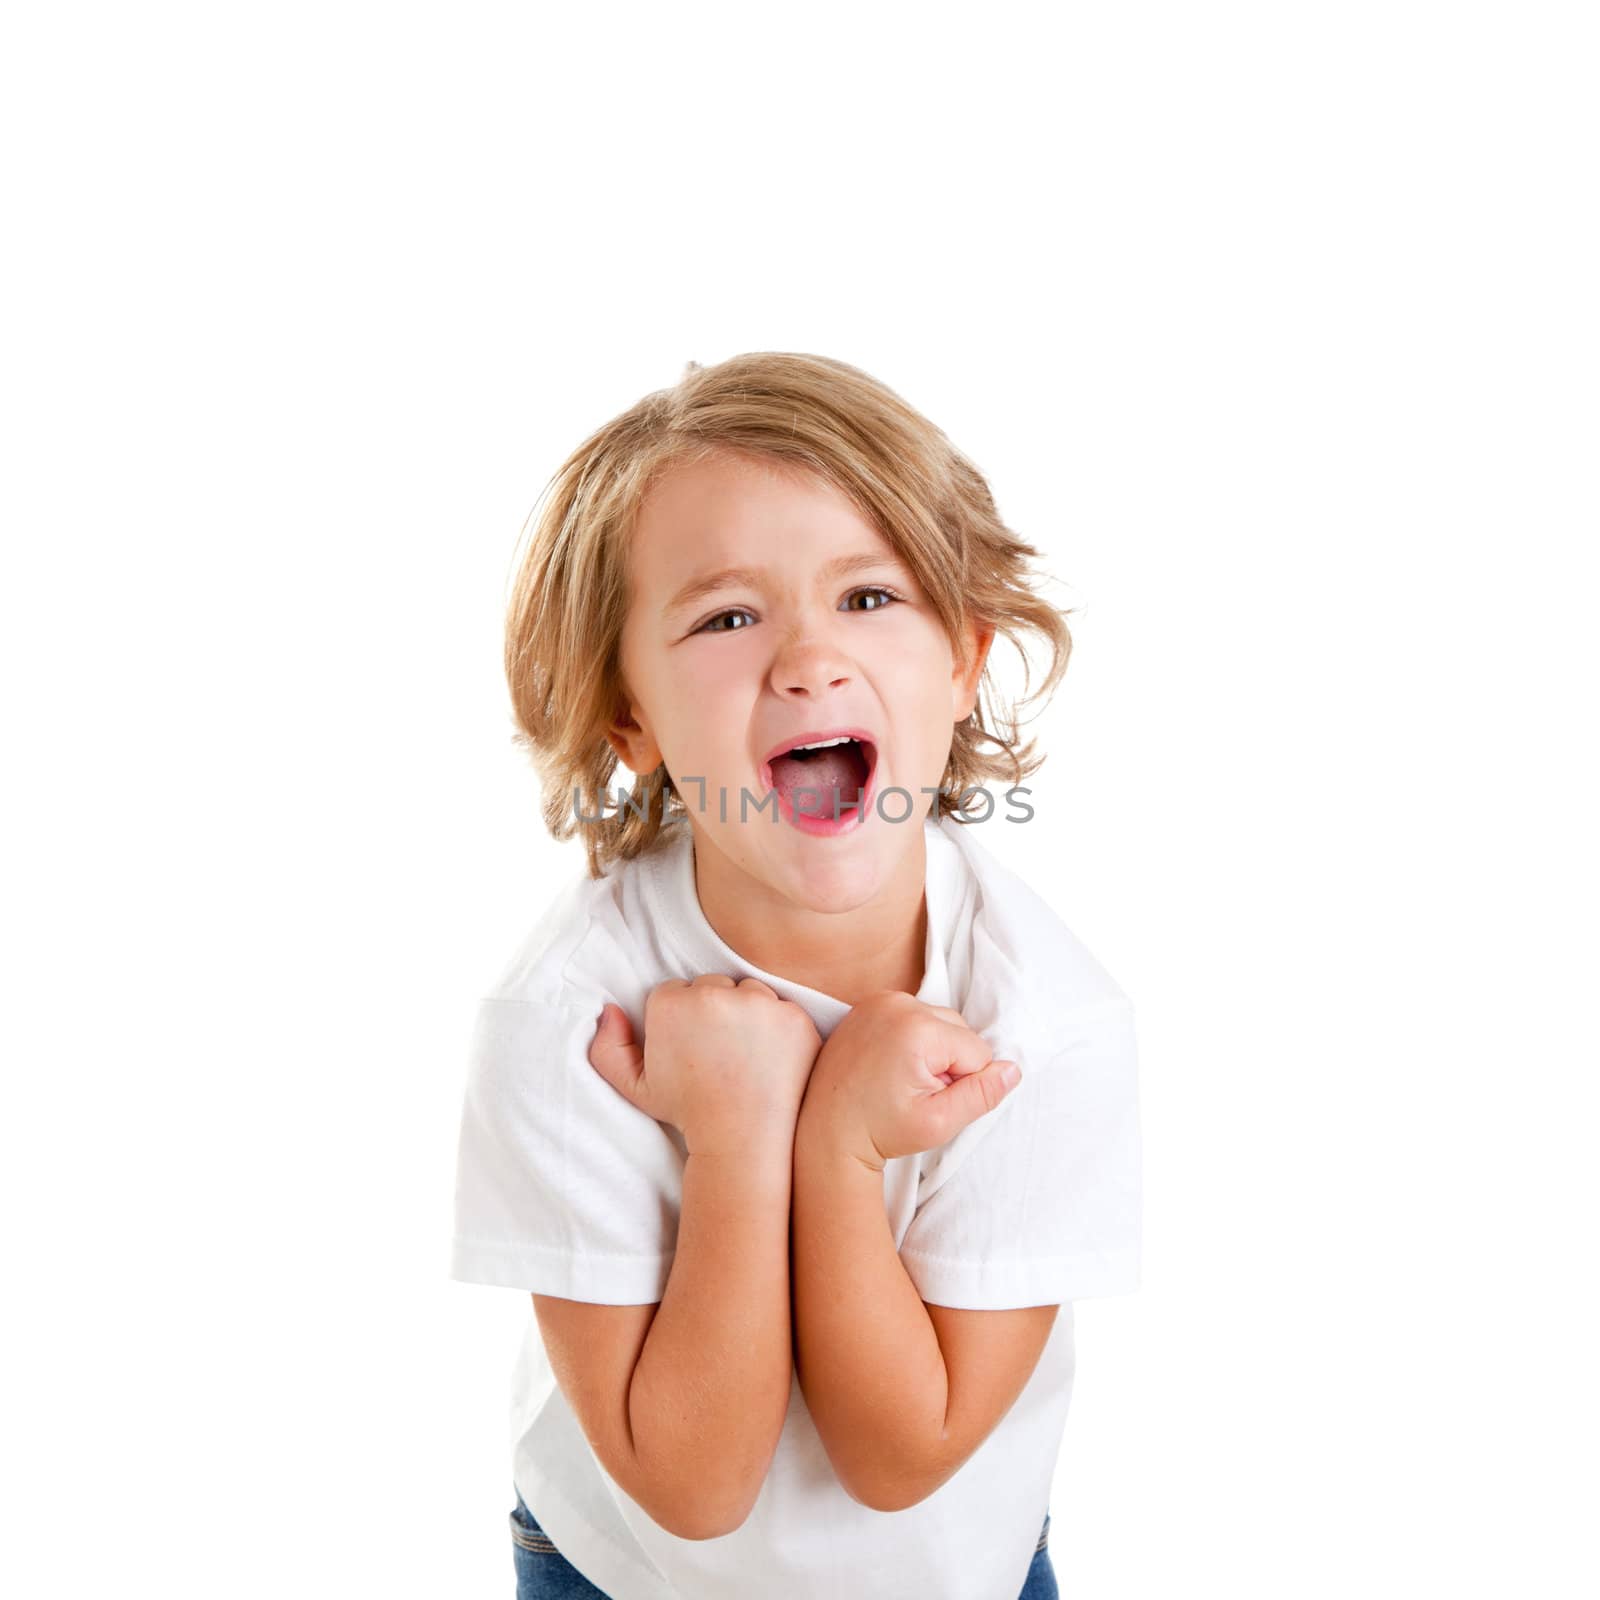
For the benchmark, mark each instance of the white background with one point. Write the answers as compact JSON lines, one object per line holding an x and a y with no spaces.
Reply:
{"x":1274,"y":327}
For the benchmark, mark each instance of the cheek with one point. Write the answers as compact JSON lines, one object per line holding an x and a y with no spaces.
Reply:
{"x":710,"y":690}
{"x":721,"y":668}
{"x":913,"y":667}
{"x":916,"y":687}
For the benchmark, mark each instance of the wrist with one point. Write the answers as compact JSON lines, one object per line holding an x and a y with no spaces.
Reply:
{"x":825,"y":1137}
{"x":767,"y":1152}
{"x":743,"y":1134}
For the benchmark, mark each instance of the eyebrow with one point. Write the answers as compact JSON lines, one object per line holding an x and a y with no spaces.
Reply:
{"x":732,"y":577}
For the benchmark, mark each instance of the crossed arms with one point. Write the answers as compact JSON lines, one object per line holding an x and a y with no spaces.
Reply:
{"x":785,"y":1265}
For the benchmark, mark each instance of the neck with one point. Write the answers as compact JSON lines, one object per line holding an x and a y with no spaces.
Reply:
{"x":849,"y":954}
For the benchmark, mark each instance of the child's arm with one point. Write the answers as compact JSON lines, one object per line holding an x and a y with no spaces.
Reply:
{"x":685,"y":1408}
{"x":901,"y":1392}
{"x":684,"y":1402}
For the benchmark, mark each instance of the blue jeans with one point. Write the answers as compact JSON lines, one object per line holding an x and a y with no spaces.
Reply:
{"x":543,"y":1573}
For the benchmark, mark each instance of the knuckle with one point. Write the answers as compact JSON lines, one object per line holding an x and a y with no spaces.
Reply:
{"x":798,"y":1021}
{"x":665,"y":991}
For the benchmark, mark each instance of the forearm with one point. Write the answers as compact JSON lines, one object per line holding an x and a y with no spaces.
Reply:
{"x":711,"y":1386}
{"x":868,"y":1358}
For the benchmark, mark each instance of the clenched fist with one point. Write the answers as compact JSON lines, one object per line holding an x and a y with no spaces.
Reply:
{"x":724,"y":1062}
{"x":898,"y":1076}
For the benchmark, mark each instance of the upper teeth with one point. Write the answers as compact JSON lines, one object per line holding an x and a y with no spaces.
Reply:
{"x":842,"y":739}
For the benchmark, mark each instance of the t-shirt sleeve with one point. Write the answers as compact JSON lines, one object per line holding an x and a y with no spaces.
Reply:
{"x":1045,"y":1206}
{"x":563,"y":1186}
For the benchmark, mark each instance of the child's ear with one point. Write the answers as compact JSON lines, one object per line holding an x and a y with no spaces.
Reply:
{"x":631,"y":740}
{"x":977,"y":636}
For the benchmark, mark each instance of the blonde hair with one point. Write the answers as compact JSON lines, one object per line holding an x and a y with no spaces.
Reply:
{"x":570,"y":596}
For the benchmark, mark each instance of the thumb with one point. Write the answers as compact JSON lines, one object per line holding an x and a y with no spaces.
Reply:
{"x":612,"y":1051}
{"x":978,"y":1093}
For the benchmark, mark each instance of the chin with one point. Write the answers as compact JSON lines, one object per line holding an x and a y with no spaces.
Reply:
{"x":838,"y":880}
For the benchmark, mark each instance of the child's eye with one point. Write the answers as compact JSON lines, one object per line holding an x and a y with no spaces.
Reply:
{"x":710,"y":625}
{"x":877,"y":588}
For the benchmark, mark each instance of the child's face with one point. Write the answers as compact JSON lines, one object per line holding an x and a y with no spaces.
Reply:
{"x":717,"y":682}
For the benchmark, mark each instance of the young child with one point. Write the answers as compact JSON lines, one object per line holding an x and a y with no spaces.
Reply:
{"x":801,"y":1118}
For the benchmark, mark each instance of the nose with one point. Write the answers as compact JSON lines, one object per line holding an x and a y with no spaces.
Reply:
{"x":808,"y":667}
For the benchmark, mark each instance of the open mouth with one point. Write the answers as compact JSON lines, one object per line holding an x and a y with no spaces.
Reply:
{"x":826,"y":777}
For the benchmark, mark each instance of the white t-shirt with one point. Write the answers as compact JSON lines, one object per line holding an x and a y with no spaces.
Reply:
{"x":565,"y":1188}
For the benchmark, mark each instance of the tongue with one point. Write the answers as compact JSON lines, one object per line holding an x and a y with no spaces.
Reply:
{"x":821,"y":784}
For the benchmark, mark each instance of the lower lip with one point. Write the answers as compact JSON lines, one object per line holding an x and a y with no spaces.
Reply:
{"x":824,"y":825}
